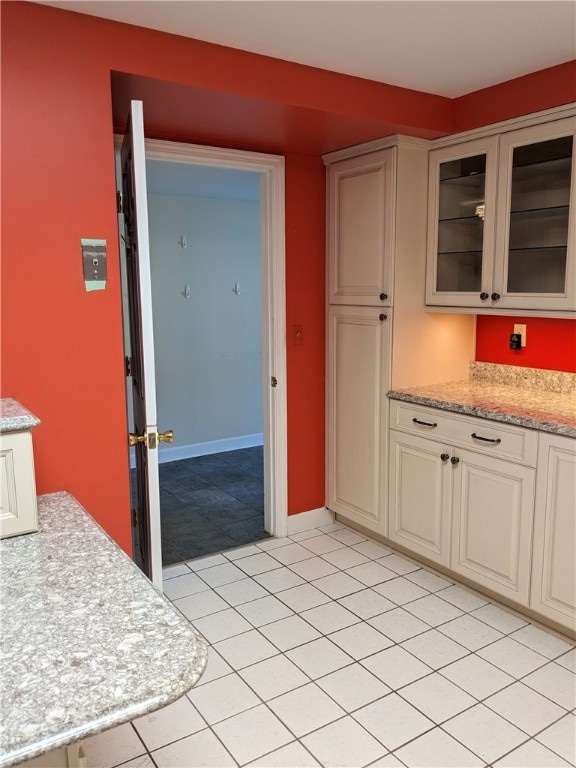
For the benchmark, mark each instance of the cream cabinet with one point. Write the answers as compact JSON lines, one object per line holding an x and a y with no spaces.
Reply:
{"x":360,"y":231}
{"x":376,"y":255}
{"x":462,"y":494}
{"x":18,"y":510}
{"x":492,"y":523}
{"x":553,"y":591}
{"x":502,"y":228}
{"x":358,"y":379}
{"x":66,"y":757}
{"x":461,"y":220}
{"x":420,"y":487}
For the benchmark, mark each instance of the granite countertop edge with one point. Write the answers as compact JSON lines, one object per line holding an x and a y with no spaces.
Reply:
{"x":505,"y":413}
{"x":14,"y":417}
{"x":74,"y":735}
{"x":145,"y":653}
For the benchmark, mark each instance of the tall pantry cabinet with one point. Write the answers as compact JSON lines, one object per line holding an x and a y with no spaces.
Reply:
{"x":378,"y":333}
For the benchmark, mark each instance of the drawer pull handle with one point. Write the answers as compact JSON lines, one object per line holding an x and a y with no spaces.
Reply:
{"x":383,"y":296}
{"x":424,"y":423}
{"x":382,"y":318}
{"x":455,"y":460}
{"x":444,"y":456}
{"x":496,"y":441}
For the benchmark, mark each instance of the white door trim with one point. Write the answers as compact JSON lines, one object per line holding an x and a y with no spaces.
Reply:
{"x":271,"y":170}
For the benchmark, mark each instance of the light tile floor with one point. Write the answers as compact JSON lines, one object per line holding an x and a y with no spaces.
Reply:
{"x":329,"y":649}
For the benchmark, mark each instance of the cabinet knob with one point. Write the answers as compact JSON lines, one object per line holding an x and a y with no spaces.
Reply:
{"x":382,"y":317}
{"x":455,"y":460}
{"x":495,"y":296}
{"x":383,"y":296}
{"x":444,"y":456}
{"x":484,"y":295}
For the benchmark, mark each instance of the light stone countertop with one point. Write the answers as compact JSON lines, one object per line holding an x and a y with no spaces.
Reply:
{"x":540,"y":409}
{"x":14,"y":417}
{"x":86,"y":641}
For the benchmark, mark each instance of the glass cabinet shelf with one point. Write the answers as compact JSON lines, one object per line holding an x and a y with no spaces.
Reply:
{"x":542,"y":209}
{"x":546,"y":227}
{"x":537,"y":270}
{"x":459,"y":271}
{"x":531,"y":190}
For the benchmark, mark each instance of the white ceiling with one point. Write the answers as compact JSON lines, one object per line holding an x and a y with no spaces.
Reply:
{"x":445,"y":47}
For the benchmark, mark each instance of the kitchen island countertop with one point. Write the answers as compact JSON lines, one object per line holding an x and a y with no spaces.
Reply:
{"x":87,"y":642}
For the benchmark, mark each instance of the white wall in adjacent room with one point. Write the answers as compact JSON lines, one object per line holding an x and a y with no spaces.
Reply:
{"x":208,"y":346}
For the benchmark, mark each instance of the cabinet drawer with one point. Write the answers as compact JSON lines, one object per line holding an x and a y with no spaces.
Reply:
{"x":495,"y":438}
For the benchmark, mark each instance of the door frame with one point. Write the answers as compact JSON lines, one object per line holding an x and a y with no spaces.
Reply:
{"x":272,"y":228}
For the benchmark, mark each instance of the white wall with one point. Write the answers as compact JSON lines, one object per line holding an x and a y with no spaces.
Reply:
{"x":209,"y":346}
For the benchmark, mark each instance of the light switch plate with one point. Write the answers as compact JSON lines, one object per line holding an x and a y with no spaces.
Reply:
{"x":94,"y":260}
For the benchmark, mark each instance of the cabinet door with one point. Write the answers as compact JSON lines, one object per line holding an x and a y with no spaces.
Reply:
{"x":535,"y":237}
{"x":358,"y":378}
{"x":492,"y":523}
{"x":461,"y":223}
{"x":419,"y":507}
{"x":66,"y":757}
{"x":554,"y":552}
{"x":18,"y":509}
{"x":361,"y":229}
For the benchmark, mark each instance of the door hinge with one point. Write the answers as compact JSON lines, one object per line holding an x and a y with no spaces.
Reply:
{"x":274,"y":381}
{"x":119,"y":202}
{"x":134,"y":517}
{"x":128,"y":366}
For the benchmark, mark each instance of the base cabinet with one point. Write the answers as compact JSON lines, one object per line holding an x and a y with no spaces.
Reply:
{"x":493,"y":502}
{"x":420,"y":496}
{"x":18,"y":511}
{"x":554,"y":564}
{"x":462,"y":495}
{"x":358,"y":364}
{"x":492,"y":523}
{"x":66,"y":757}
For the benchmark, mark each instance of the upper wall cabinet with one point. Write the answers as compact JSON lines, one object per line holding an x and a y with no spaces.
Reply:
{"x":361,"y":229}
{"x":501,"y":226}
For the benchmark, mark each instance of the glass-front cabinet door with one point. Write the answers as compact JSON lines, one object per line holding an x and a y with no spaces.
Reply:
{"x":462,"y":200}
{"x":535,"y":233}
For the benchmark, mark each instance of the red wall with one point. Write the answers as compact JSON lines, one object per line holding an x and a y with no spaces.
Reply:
{"x":539,"y":90}
{"x":305,"y":282}
{"x":62,"y":351}
{"x":550,"y":343}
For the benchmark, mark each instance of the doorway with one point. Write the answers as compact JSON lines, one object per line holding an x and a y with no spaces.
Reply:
{"x":206,"y":270}
{"x":269,"y":172}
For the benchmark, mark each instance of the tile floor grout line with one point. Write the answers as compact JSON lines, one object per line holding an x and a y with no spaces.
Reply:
{"x":359,"y":622}
{"x":350,"y":713}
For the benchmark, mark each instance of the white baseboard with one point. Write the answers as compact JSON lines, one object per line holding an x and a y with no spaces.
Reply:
{"x":314,"y":518}
{"x":177,"y":452}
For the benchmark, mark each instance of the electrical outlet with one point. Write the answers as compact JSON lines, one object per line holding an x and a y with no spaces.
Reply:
{"x":521,"y":329}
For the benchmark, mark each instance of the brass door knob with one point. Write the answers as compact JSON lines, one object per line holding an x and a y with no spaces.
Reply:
{"x":135,"y":439}
{"x":166,"y":437}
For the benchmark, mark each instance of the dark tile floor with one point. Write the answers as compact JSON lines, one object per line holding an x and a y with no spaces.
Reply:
{"x":211,"y":503}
